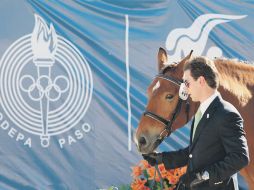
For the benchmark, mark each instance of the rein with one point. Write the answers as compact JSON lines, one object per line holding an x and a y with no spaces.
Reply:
{"x":161,"y":180}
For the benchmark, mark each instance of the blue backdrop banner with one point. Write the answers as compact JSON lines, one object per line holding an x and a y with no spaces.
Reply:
{"x":73,"y":79}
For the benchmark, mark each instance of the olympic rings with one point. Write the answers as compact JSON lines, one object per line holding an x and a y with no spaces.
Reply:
{"x":37,"y":89}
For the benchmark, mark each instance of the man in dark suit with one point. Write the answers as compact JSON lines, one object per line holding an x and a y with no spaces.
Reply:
{"x":218,"y":147}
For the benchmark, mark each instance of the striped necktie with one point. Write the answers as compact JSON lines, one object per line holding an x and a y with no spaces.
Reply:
{"x":198,"y":117}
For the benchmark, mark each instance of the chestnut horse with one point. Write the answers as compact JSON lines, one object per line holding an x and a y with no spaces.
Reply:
{"x":236,"y":86}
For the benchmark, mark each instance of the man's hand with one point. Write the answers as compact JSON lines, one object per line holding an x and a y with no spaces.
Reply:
{"x":153,"y":158}
{"x":199,"y":179}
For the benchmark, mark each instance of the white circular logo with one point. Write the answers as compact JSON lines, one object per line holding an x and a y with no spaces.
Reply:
{"x":45,"y":83}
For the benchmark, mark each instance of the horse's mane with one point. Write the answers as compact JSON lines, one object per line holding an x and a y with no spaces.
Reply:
{"x":237,"y":77}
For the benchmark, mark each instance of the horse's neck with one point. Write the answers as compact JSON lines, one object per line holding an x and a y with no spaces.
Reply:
{"x":236,"y":80}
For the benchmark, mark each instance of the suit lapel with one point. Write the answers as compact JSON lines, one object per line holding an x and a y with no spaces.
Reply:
{"x":203,"y":122}
{"x":192,"y":124}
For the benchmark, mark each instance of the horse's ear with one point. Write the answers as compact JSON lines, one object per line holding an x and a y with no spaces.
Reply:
{"x":162,"y":58}
{"x":182,"y":62}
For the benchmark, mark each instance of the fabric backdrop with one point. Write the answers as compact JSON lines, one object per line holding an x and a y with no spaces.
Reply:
{"x":73,"y":79}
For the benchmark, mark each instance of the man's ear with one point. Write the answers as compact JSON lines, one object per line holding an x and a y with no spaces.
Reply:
{"x":183,"y":61}
{"x":162,"y":58}
{"x":202,"y":80}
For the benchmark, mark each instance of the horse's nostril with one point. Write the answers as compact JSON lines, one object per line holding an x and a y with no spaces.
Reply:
{"x":142,"y":141}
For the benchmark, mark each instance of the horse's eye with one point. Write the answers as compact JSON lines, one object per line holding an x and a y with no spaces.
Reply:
{"x":169,"y":97}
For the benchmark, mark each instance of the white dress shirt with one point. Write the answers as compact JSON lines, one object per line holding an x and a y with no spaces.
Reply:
{"x":204,"y":105}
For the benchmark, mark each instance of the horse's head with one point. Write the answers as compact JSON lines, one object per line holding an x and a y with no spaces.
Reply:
{"x":165,"y":111}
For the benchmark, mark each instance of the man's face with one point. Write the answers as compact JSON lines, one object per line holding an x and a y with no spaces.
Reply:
{"x":193,"y":86}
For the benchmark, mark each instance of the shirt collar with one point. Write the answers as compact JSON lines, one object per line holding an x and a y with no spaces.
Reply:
{"x":204,"y":105}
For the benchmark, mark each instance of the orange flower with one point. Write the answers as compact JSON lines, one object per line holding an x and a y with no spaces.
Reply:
{"x":172,"y":179}
{"x":139,"y":184}
{"x":144,"y":164}
{"x":177,"y":172}
{"x":171,"y":171}
{"x":183,"y":170}
{"x":161,"y":167}
{"x":136,"y":171}
{"x":163,"y":171}
{"x":151,"y":173}
{"x":144,"y":170}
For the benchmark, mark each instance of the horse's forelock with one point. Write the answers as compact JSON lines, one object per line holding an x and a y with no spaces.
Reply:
{"x":168,"y":68}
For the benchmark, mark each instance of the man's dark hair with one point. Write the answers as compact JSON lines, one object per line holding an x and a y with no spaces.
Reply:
{"x":201,"y":66}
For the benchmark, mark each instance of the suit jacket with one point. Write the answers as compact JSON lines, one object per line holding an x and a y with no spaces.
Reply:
{"x":219,"y":147}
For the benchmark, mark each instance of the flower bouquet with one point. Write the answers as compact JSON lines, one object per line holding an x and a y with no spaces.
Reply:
{"x":144,"y":175}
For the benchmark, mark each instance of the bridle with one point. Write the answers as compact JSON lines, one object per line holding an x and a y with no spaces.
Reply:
{"x":166,"y":122}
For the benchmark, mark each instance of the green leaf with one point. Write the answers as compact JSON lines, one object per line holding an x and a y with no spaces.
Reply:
{"x":145,"y":174}
{"x":122,"y":187}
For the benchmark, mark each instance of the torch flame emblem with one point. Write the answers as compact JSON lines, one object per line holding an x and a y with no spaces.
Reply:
{"x":44,"y":40}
